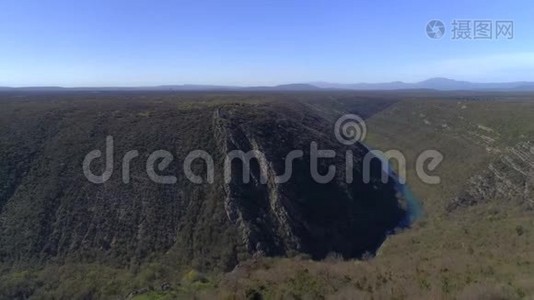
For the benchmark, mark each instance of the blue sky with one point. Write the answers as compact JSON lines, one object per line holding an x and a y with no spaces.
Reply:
{"x":254,"y":42}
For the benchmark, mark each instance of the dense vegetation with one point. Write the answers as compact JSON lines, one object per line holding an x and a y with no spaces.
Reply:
{"x":62,"y":236}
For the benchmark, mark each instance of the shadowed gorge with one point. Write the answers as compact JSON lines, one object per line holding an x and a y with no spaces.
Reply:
{"x":51,"y":212}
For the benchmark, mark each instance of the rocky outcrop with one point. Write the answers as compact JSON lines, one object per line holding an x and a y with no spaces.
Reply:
{"x":509,"y":178}
{"x":301,"y":215}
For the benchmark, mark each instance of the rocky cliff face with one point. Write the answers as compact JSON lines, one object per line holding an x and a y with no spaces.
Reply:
{"x":508,"y":178}
{"x":50,"y":211}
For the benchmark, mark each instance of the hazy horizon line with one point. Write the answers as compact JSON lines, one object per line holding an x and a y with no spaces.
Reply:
{"x":312,"y":83}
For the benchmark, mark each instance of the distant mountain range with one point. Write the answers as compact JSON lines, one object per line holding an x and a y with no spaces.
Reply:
{"x":438,"y":83}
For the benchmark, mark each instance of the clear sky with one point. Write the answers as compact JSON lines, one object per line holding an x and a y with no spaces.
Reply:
{"x":254,"y":42}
